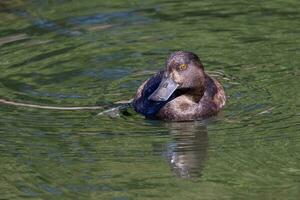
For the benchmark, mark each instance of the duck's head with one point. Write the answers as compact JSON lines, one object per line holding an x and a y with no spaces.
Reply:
{"x":184,"y":71}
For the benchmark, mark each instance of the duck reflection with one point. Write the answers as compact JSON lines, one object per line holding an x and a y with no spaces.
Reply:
{"x":188,"y":153}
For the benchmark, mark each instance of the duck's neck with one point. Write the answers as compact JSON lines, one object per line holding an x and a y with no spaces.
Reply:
{"x":195,"y":94}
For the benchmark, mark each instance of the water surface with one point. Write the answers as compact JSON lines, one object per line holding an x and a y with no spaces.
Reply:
{"x":80,"y":53}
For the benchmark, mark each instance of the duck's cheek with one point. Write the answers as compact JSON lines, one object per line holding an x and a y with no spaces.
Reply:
{"x":177,"y":78}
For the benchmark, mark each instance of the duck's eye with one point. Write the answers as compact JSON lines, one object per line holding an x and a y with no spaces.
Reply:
{"x":183,"y":67}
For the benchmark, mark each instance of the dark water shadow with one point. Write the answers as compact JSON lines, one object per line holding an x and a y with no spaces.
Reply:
{"x":188,"y":153}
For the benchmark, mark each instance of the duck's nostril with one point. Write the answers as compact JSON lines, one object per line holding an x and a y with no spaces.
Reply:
{"x":165,"y":85}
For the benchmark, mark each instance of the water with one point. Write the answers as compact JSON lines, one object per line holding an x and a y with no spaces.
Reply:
{"x":80,"y":53}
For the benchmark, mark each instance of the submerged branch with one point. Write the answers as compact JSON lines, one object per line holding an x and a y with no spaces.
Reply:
{"x":13,"y":103}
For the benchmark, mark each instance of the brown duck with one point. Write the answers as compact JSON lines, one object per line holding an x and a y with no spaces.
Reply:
{"x":181,"y":92}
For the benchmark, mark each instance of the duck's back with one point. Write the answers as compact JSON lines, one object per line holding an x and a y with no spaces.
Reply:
{"x":179,"y":107}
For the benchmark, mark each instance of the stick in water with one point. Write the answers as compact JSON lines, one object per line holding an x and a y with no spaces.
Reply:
{"x":3,"y":101}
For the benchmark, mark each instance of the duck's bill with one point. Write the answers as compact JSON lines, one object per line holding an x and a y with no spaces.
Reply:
{"x":165,"y":89}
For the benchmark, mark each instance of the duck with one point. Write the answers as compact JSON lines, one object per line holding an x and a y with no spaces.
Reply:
{"x":182,"y":91}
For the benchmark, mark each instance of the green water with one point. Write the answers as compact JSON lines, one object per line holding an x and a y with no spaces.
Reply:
{"x":80,"y":53}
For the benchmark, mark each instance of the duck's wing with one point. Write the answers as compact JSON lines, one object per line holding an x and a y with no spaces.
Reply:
{"x":149,"y":85}
{"x":215,"y":92}
{"x":213,"y":99}
{"x":141,"y":103}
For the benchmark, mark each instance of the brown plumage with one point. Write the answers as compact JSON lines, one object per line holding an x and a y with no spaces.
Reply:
{"x":181,"y":92}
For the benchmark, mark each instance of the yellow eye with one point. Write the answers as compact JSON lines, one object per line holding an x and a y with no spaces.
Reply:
{"x":183,"y":67}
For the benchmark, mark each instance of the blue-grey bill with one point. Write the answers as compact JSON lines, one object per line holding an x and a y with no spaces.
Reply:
{"x":165,"y":89}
